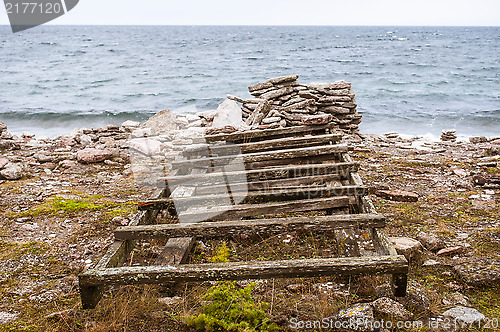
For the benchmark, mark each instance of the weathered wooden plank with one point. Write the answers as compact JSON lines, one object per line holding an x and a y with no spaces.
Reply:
{"x":264,"y":196}
{"x":252,"y":210}
{"x":116,"y":255}
{"x":245,"y":270}
{"x":269,"y":184}
{"x":347,"y":244}
{"x":289,"y":154}
{"x":176,"y":251}
{"x":255,"y":135}
{"x":263,"y":227}
{"x":276,"y":144}
{"x":288,"y":171}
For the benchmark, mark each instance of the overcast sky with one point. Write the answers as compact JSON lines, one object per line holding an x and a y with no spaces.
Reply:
{"x":282,"y":12}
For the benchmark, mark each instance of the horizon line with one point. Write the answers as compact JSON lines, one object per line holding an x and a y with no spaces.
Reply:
{"x":267,"y":25}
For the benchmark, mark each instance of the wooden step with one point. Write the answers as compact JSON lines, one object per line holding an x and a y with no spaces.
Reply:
{"x":264,"y":196}
{"x":252,"y":210}
{"x":271,"y":157}
{"x":245,"y":270}
{"x":261,"y":227}
{"x":276,"y":144}
{"x":288,"y":171}
{"x":265,"y":134}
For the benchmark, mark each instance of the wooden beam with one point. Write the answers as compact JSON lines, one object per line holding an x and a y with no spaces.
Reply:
{"x":347,"y":244}
{"x":256,"y":135}
{"x":287,"y":171}
{"x":269,"y":184}
{"x":263,"y":227}
{"x":176,"y":251}
{"x":116,"y":255}
{"x":245,"y":270}
{"x":264,"y":196}
{"x":269,"y":156}
{"x":252,"y":210}
{"x":276,"y":144}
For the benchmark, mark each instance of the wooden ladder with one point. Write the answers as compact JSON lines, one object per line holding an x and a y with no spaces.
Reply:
{"x":225,"y":182}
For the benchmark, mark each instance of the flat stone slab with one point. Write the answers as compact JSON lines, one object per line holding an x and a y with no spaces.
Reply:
{"x":398,"y":195}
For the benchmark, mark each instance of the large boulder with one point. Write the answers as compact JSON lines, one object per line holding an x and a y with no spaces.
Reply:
{"x":11,"y":172}
{"x":162,"y":122}
{"x":90,"y":155}
{"x":228,"y":114}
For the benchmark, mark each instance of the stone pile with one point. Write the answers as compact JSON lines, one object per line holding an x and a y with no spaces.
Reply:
{"x":449,"y":135}
{"x":284,"y":102}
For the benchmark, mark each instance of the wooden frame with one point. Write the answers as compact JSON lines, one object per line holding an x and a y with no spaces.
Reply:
{"x":272,"y":175}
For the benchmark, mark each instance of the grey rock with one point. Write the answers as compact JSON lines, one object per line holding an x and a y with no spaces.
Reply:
{"x":11,"y":172}
{"x":454,"y":299}
{"x":387,"y":306}
{"x":3,"y":127}
{"x":3,"y":162}
{"x":408,"y":247}
{"x":129,"y":125}
{"x":90,"y":155}
{"x":416,"y":299}
{"x":161,"y":122}
{"x":431,"y":241}
{"x":228,"y":114}
{"x":283,"y":79}
{"x":44,"y":156}
{"x":479,"y":271}
{"x":357,"y":318}
{"x":147,"y":146}
{"x":464,"y":315}
{"x":7,"y":317}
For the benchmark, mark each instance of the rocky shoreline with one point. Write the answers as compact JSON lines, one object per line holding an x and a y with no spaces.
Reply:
{"x":61,"y":198}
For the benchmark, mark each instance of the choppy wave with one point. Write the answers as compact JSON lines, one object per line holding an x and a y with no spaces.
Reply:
{"x":414,"y":80}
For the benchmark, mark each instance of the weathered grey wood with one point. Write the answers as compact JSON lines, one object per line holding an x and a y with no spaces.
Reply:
{"x":264,"y":196}
{"x":262,"y":227}
{"x":176,"y":251}
{"x":276,"y":144}
{"x":266,"y":134}
{"x":288,"y":171}
{"x":116,"y":255}
{"x":245,"y":270}
{"x":347,"y":244}
{"x":252,"y":210}
{"x":269,"y":184}
{"x":289,"y":154}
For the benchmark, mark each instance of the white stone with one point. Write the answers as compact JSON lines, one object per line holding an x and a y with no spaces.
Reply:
{"x":228,"y":114}
{"x":12,"y":172}
{"x":162,"y":122}
{"x":147,"y":146}
{"x":6,"y":317}
{"x":129,"y":125}
{"x":464,"y":314}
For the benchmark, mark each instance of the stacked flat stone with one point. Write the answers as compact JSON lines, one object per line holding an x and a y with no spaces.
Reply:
{"x":284,"y":102}
{"x":449,"y":135}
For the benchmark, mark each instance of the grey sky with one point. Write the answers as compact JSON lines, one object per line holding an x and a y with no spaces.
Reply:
{"x":282,"y":12}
